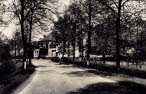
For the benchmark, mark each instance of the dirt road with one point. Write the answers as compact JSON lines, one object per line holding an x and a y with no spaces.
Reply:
{"x":53,"y":78}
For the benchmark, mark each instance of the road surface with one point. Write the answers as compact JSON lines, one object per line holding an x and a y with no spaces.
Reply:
{"x":53,"y":78}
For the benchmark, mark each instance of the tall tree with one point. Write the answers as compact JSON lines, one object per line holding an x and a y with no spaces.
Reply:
{"x":89,"y":31}
{"x":38,"y":11}
{"x":116,"y":7}
{"x":30,"y":13}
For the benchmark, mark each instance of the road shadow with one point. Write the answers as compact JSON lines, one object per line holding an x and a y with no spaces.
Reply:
{"x":62,"y":63}
{"x":38,"y":66}
{"x":44,"y":71}
{"x":80,"y":74}
{"x":134,"y":86}
{"x":66,"y":66}
{"x":101,"y":73}
{"x":124,"y":87}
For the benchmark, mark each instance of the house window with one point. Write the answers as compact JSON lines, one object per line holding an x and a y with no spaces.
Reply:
{"x":53,"y":50}
{"x":36,"y":53}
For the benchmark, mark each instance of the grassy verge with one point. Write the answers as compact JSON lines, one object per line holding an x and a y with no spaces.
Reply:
{"x":12,"y":82}
{"x":110,"y":71}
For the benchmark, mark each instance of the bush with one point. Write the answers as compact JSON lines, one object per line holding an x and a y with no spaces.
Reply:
{"x":4,"y":52}
{"x":8,"y":67}
{"x":6,"y":64}
{"x":55,"y":59}
{"x":81,"y":63}
{"x":66,"y":60}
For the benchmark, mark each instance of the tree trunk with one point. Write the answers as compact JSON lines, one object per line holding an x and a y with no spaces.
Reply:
{"x":82,"y":54}
{"x":74,"y":49}
{"x":30,"y":45}
{"x":64,"y":45}
{"x":103,"y":58}
{"x":22,"y":32}
{"x":89,"y":35}
{"x":19,"y":53}
{"x":118,"y":26}
{"x":15,"y":49}
{"x":30,"y":54}
{"x":68,"y":49}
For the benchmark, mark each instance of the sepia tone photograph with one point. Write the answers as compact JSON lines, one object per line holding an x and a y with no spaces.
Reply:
{"x":72,"y":46}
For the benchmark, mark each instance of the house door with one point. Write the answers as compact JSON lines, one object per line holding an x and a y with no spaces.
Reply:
{"x":43,"y":53}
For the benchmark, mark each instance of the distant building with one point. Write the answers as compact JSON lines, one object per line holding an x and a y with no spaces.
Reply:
{"x":49,"y":47}
{"x":45,"y":48}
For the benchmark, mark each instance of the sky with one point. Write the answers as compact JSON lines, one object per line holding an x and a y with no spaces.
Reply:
{"x":8,"y":30}
{"x":65,"y":1}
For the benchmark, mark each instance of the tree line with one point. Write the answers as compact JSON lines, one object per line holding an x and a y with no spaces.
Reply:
{"x":109,"y":27}
{"x":98,"y":26}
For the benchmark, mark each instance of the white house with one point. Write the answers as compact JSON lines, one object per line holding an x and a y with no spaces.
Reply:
{"x":45,"y":48}
{"x":49,"y":47}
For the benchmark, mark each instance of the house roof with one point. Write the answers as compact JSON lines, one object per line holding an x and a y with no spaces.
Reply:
{"x":49,"y":37}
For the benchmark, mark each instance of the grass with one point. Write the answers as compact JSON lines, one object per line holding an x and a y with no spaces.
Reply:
{"x":13,"y":81}
{"x":133,"y":74}
{"x":111,"y":70}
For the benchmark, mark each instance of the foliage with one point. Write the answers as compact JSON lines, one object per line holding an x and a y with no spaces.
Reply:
{"x":114,"y":29}
{"x":6,"y":64}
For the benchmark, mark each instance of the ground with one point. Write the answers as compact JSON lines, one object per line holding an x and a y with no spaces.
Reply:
{"x":54,"y":78}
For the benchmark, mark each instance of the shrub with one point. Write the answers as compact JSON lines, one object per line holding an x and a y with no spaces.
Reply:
{"x":55,"y":59}
{"x":66,"y":60}
{"x":6,"y":66}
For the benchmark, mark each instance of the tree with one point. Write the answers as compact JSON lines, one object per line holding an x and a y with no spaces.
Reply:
{"x":3,"y":38}
{"x":68,"y":27}
{"x":2,"y":11}
{"x":30,"y":13}
{"x":61,"y":31}
{"x":119,"y":8}
{"x":89,"y":32}
{"x":73,"y":12}
{"x":16,"y":44}
{"x":116,"y":8}
{"x":103,"y":37}
{"x":38,"y":12}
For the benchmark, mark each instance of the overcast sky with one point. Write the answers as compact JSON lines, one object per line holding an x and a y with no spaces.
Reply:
{"x":65,"y":1}
{"x":11,"y":28}
{"x":8,"y":31}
